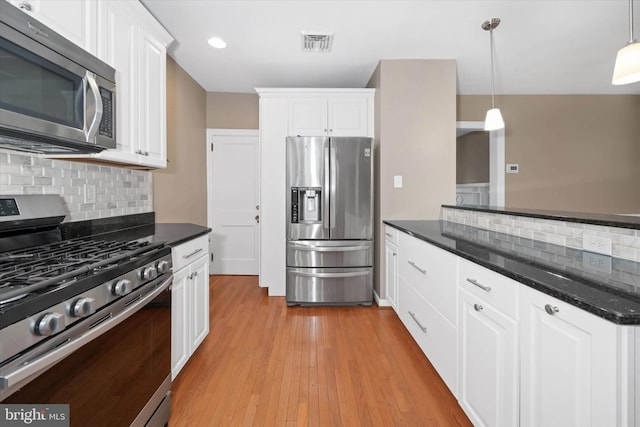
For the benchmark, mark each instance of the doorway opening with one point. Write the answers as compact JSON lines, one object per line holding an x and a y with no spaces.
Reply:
{"x":476,"y":192}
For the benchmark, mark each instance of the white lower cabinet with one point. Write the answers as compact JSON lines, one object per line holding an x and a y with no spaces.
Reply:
{"x":189,"y":301}
{"x":571,"y":375}
{"x":435,"y":335}
{"x":427,"y":302}
{"x":520,"y":357}
{"x":488,"y":363}
{"x":391,"y":267}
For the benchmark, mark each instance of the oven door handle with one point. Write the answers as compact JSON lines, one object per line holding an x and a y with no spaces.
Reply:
{"x":41,"y":363}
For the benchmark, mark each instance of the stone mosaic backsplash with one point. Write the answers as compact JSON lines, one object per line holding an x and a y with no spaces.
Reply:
{"x":616,"y":272}
{"x":625,"y":242}
{"x":89,"y":191}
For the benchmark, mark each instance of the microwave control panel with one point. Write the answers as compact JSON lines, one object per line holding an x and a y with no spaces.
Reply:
{"x":106,"y":124}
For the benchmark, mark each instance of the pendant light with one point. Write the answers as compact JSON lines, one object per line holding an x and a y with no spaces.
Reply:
{"x":627,"y":69}
{"x":493,"y":120}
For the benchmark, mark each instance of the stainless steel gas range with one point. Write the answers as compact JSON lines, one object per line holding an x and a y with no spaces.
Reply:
{"x":84,"y":322}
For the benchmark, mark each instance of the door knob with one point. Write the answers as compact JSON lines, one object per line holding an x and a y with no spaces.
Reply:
{"x":257,"y":218}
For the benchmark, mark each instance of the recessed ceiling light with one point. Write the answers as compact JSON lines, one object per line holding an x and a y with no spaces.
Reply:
{"x":217,"y":42}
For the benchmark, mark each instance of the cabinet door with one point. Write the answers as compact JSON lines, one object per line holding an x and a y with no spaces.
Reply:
{"x":308,"y":117}
{"x":488,"y":364}
{"x":179,"y":325}
{"x":72,"y":19}
{"x":391,"y":275}
{"x":153,"y":146}
{"x":199,"y":290}
{"x":348,"y":116}
{"x":118,"y":48}
{"x":568,"y":365}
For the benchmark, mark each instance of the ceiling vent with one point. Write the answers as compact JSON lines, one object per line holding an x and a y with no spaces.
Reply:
{"x":316,"y":41}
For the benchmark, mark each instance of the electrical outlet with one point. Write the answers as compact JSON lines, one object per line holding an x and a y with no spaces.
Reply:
{"x":596,"y":262}
{"x":597,"y":244}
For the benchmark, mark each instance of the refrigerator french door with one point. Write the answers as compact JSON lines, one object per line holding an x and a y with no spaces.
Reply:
{"x":329,"y":220}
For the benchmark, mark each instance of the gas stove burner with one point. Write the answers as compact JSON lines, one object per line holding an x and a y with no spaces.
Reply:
{"x":11,"y":288}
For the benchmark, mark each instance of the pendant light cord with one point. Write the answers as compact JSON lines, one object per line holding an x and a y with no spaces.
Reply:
{"x":493,"y":101}
{"x":631,"y":39}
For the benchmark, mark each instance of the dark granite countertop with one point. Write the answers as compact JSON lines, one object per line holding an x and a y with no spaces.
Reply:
{"x":134,"y":227}
{"x":608,"y":220}
{"x":610,"y":291}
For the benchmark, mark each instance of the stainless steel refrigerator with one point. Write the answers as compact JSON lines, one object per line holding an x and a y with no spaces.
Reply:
{"x":329,"y":220}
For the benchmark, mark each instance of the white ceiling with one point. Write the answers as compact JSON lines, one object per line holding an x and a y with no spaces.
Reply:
{"x":541,"y":46}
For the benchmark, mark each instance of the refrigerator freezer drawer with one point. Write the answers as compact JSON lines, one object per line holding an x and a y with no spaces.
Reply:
{"x":329,"y":286}
{"x":332,"y":253}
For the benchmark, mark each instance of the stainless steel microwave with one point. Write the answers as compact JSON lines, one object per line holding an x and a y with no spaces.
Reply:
{"x":55,"y":97}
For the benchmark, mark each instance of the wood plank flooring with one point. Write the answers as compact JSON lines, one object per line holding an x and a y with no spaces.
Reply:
{"x":266,"y":364}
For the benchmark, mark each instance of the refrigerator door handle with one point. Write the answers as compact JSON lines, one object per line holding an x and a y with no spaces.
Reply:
{"x":300,"y":247}
{"x":332,"y":193}
{"x":327,"y":208}
{"x":331,"y":275}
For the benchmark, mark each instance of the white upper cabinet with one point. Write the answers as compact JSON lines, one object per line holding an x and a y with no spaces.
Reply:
{"x":334,"y":114}
{"x":73,"y":19}
{"x":135,"y":44}
{"x":117,"y":48}
{"x":126,"y":36}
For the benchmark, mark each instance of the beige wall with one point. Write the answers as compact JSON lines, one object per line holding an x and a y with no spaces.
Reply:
{"x":180,"y":191}
{"x":415,"y":135}
{"x":232,"y":110}
{"x":472,"y":158}
{"x":576,"y":152}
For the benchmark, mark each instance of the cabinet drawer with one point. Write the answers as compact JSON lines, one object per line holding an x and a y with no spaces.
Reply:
{"x":431,"y":271}
{"x":190,"y":251}
{"x":496,"y":289}
{"x":391,"y":234}
{"x":435,"y":335}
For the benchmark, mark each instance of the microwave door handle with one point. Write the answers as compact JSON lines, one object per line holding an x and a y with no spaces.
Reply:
{"x":93,"y":95}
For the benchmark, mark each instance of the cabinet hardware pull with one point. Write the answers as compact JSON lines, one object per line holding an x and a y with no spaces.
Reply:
{"x":394,"y":254}
{"x":25,"y":5}
{"x":551,"y":309}
{"x":477,"y":307}
{"x":413,"y":264}
{"x":192,"y":253}
{"x":413,"y":316}
{"x":388,"y":234}
{"x":475,"y":282}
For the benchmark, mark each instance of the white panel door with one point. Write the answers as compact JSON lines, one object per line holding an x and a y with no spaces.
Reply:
{"x":235,"y":204}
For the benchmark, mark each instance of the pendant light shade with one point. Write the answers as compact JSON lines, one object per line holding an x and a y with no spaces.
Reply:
{"x":627,"y":68}
{"x":493,"y":120}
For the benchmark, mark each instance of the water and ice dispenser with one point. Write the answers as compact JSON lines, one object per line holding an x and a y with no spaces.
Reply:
{"x":306,"y":205}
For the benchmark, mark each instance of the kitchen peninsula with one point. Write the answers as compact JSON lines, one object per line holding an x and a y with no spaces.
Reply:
{"x":545,"y":333}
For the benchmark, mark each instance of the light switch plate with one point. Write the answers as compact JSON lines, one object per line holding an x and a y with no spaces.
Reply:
{"x":397,"y":181}
{"x":513,"y":168}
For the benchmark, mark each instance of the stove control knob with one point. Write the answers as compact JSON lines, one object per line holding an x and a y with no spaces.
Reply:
{"x":83,"y":307}
{"x":148,"y":273}
{"x":49,"y":324}
{"x":121,"y":287}
{"x":163,"y":267}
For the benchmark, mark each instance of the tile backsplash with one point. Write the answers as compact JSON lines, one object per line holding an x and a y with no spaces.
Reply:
{"x":625,"y":243}
{"x":89,"y":191}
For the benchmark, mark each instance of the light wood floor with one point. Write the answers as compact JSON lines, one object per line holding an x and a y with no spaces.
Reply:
{"x":266,"y":364}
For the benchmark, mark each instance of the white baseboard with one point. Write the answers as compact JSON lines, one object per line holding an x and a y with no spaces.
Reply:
{"x":381,"y":302}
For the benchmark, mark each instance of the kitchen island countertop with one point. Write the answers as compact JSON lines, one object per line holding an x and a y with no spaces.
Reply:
{"x":556,"y":270}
